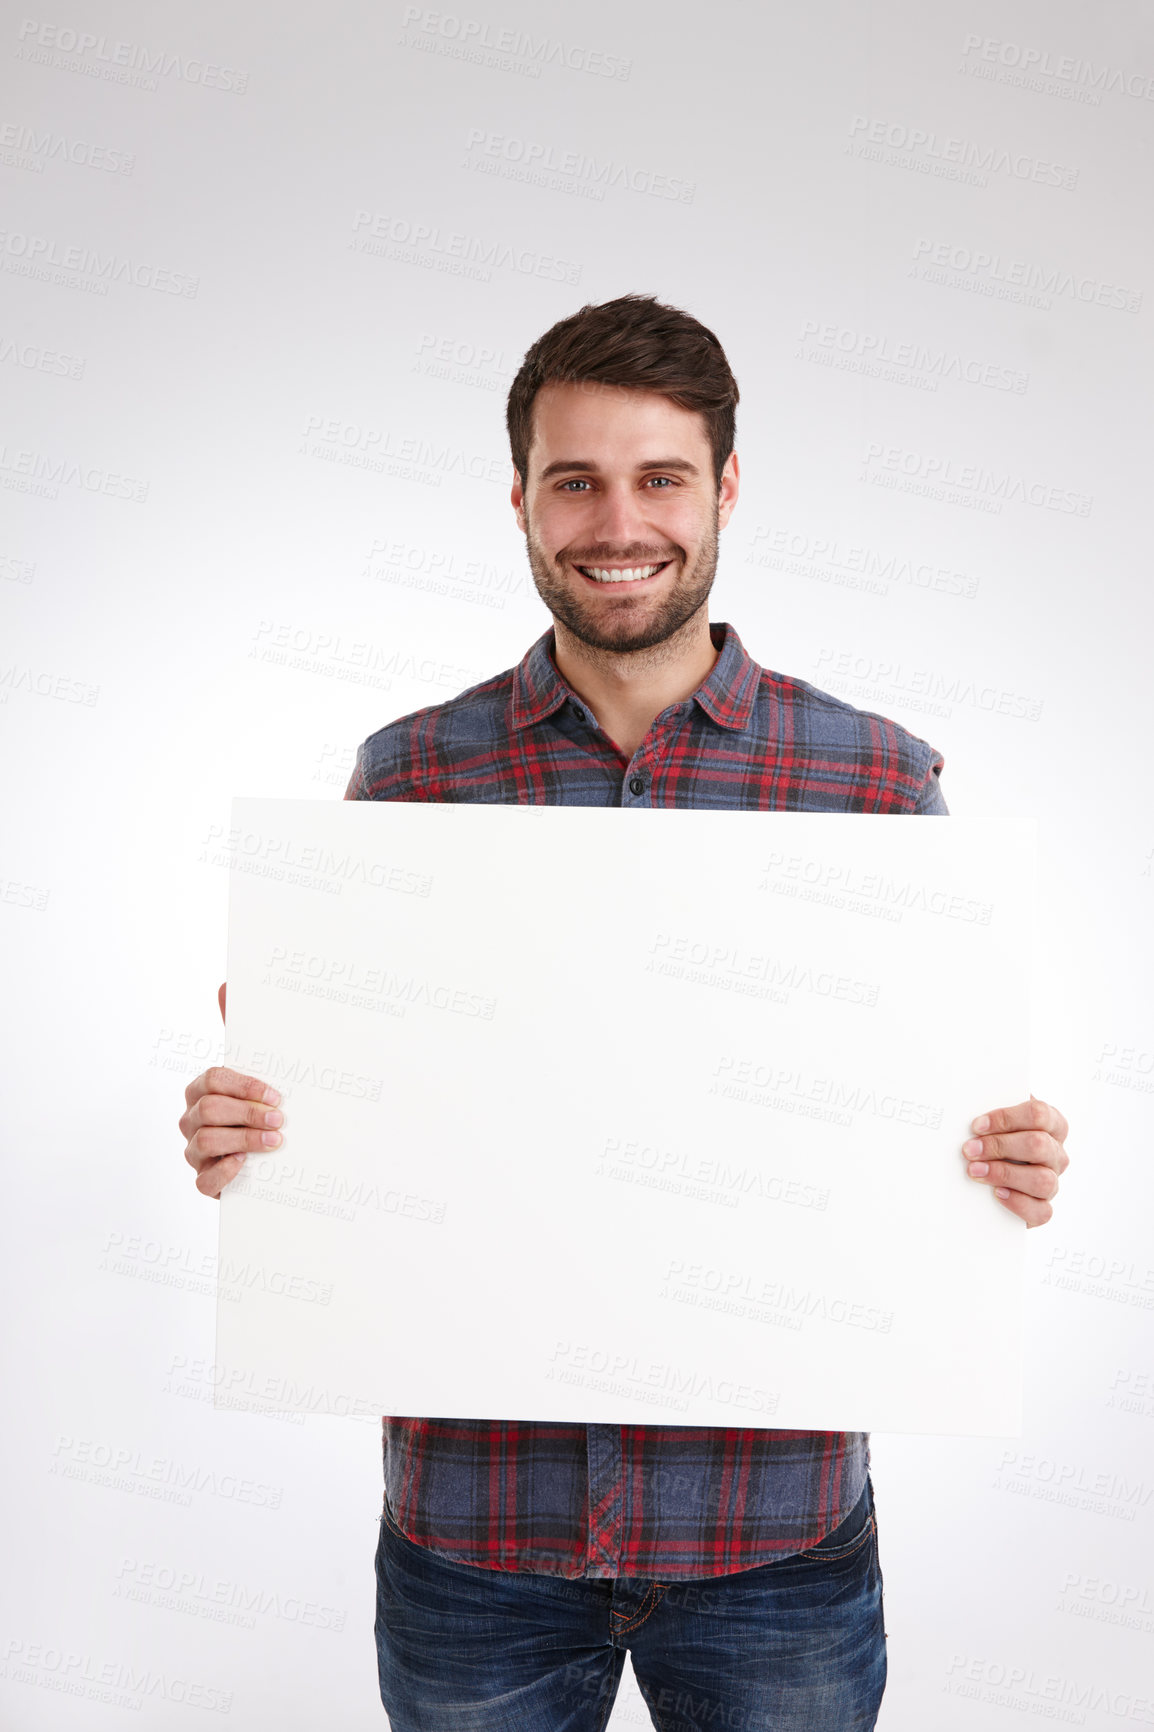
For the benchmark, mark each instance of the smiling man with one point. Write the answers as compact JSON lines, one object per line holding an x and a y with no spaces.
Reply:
{"x":518,"y":1560}
{"x":622,"y":542}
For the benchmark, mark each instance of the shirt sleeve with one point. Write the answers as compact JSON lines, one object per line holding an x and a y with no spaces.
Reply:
{"x":931,"y":800}
{"x":356,"y":784}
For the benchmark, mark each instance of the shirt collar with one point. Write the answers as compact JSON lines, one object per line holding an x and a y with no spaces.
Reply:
{"x":726,"y":694}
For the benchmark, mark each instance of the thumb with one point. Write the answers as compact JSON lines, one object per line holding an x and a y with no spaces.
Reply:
{"x":220,"y":999}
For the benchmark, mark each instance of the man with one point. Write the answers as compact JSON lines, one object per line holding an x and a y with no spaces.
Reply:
{"x":516,"y":1560}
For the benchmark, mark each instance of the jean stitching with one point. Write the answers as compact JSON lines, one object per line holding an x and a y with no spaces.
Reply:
{"x":843,"y":1551}
{"x":631,"y":1617}
{"x":627,"y":1616}
{"x":656,"y":1590}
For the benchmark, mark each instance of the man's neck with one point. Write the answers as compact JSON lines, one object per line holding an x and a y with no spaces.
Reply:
{"x":626,"y":691}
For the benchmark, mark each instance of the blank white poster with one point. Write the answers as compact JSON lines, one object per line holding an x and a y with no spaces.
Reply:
{"x":648,"y":1117}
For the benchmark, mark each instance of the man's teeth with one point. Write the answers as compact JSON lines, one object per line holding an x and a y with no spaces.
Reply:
{"x":628,"y":574}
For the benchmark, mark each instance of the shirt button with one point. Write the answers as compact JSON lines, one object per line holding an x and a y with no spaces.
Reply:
{"x":636,"y":785}
{"x":579,"y":712}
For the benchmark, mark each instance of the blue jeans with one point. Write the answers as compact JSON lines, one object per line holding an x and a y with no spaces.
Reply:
{"x":793,"y":1646}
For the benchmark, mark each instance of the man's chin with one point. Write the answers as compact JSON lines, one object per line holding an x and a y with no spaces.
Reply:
{"x":635,"y":628}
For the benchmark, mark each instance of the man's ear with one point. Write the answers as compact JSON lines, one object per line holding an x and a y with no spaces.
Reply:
{"x":727,"y":490}
{"x":517,"y":499}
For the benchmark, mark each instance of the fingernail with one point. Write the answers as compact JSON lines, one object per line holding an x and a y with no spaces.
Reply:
{"x":973,"y":1148}
{"x":270,"y":1139}
{"x":999,"y":1192}
{"x":240,"y":1160}
{"x":979,"y":1169}
{"x":274,"y":1119}
{"x":982,"y":1124}
{"x":272,"y":1097}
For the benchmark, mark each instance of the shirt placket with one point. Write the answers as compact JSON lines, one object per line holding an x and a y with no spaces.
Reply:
{"x":603,"y":1442}
{"x":606,"y":1489}
{"x":637,"y":783}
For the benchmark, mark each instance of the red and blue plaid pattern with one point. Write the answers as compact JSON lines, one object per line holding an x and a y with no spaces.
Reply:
{"x":662,"y":1501}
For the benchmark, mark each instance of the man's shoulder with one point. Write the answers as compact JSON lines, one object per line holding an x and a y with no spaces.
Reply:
{"x":476,"y":717}
{"x":845,"y":757}
{"x":827,"y":720}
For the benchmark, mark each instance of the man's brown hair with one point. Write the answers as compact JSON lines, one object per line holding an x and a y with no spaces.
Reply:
{"x":637,"y":342}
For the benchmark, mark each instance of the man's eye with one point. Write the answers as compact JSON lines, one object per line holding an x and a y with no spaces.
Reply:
{"x":577,"y":482}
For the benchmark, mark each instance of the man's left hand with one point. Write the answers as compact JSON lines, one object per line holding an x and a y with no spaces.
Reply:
{"x":1019,"y":1151}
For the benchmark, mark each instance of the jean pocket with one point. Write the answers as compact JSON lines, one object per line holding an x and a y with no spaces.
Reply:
{"x":850,"y":1534}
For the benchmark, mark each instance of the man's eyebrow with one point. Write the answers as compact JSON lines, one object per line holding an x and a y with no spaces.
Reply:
{"x":578,"y":466}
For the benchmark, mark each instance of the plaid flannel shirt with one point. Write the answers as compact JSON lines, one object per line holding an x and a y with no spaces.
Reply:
{"x":653,"y":1500}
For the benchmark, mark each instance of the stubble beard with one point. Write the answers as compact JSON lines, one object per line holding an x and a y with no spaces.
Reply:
{"x":625,"y":627}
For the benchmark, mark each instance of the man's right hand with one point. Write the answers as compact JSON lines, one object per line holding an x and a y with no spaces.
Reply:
{"x":226,"y":1115}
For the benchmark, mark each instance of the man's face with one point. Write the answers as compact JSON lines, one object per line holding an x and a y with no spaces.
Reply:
{"x":621,"y":513}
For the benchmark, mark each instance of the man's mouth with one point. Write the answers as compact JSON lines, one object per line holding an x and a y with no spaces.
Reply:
{"x":621,"y":573}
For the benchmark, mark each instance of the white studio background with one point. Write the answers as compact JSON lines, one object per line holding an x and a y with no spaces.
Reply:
{"x":267,"y":273}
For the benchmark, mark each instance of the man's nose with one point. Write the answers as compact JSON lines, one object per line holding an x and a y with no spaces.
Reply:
{"x":620,"y":518}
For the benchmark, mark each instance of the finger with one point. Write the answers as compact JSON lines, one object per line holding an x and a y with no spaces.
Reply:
{"x":1033,"y":1210}
{"x":1030,"y":1148}
{"x":1030,"y":1181}
{"x":227,"y":1110}
{"x":1031,"y":1115}
{"x":1060,"y":1130}
{"x":220,"y":1080}
{"x":212,"y":1178}
{"x":213,"y":1141}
